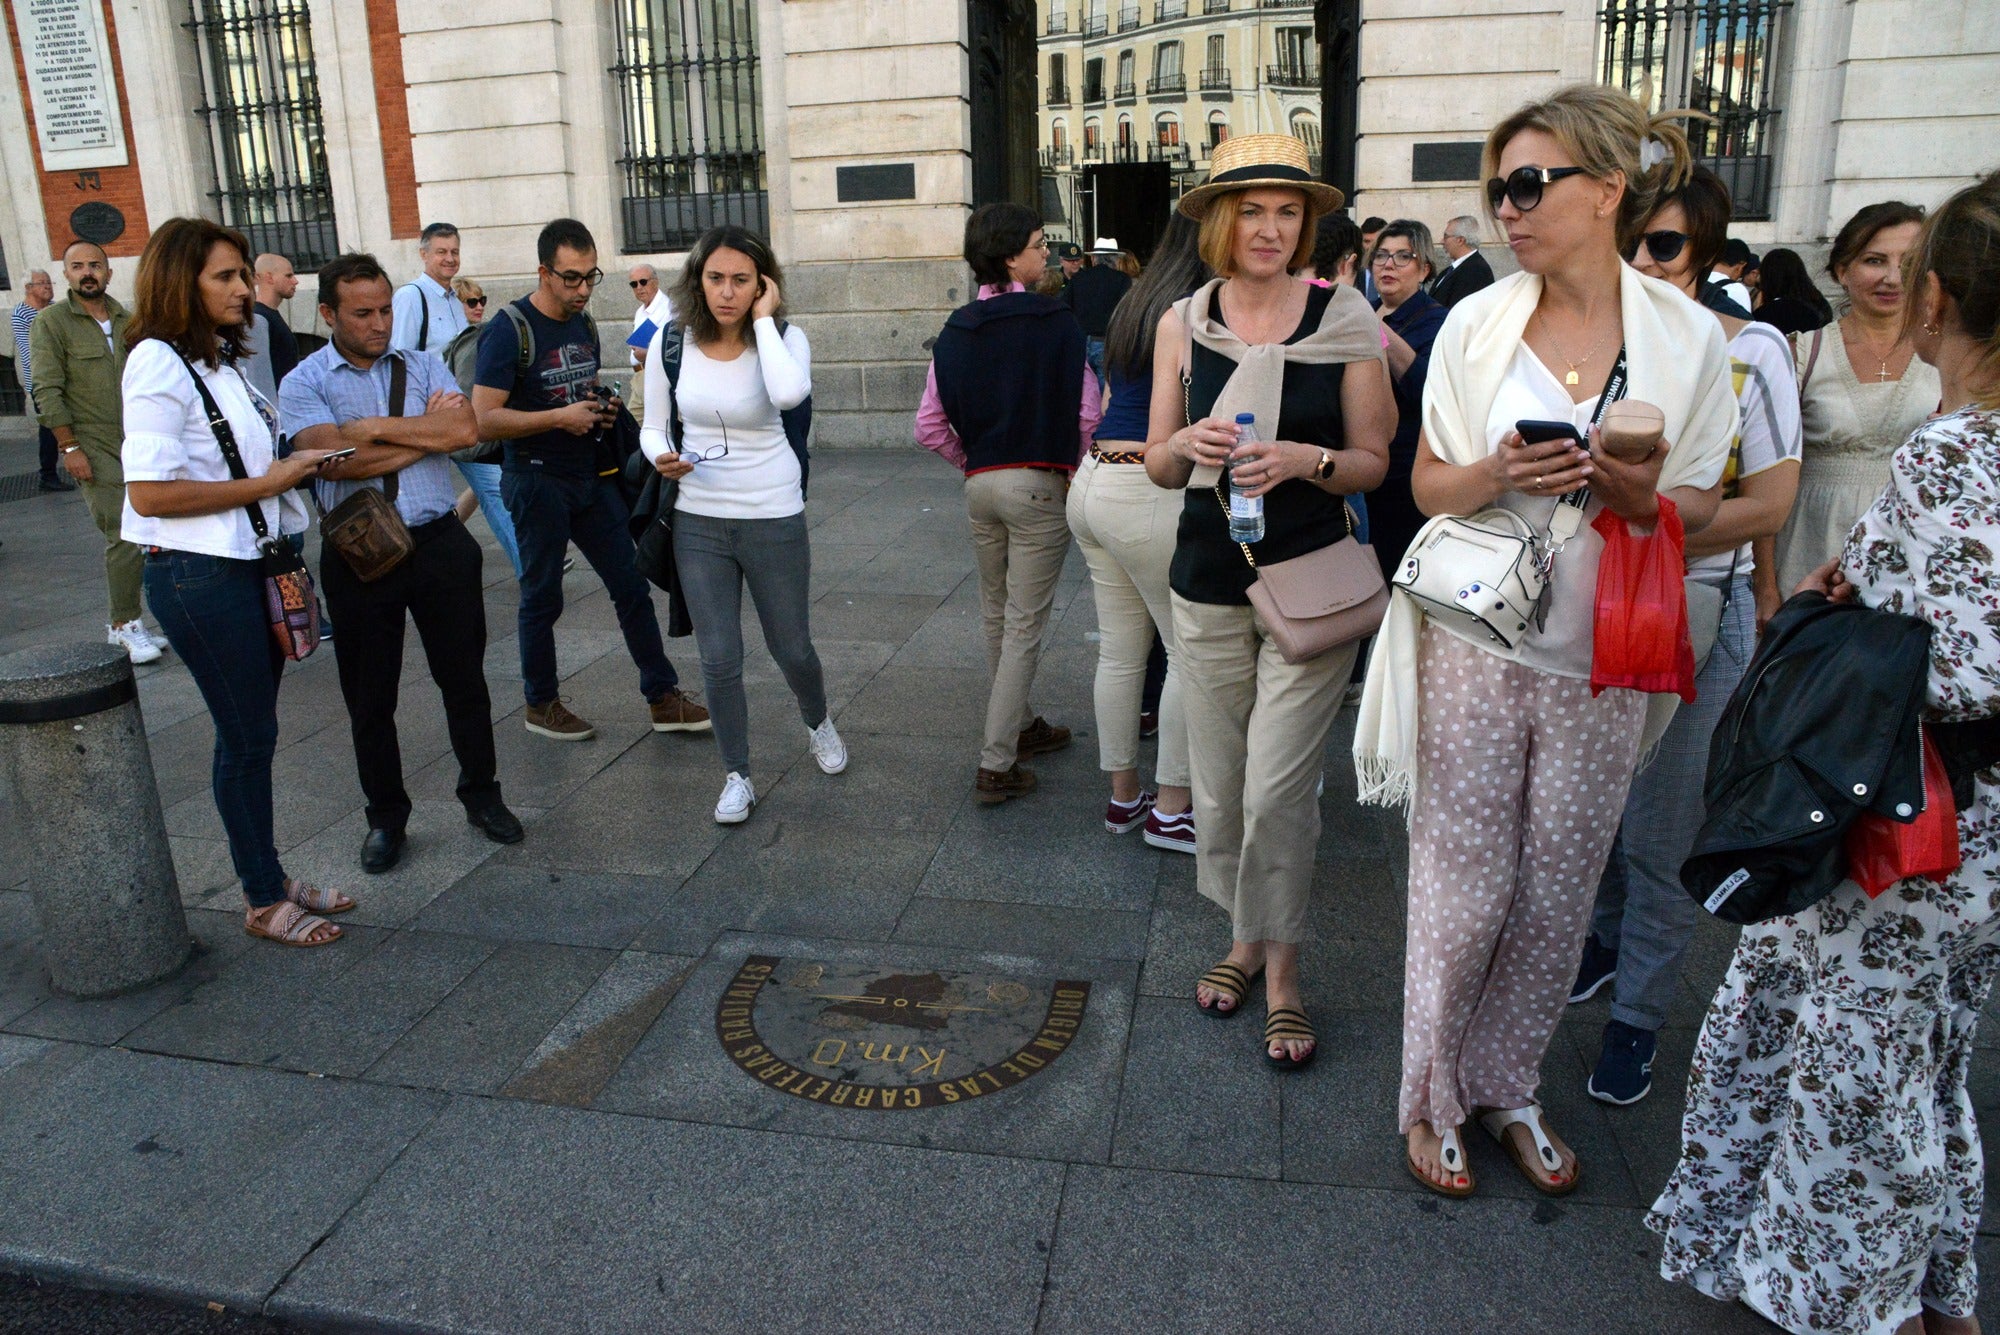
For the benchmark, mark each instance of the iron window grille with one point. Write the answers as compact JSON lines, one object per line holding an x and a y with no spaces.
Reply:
{"x":267,"y":134}
{"x":1058,"y":22}
{"x":691,"y":106}
{"x":1715,"y":56}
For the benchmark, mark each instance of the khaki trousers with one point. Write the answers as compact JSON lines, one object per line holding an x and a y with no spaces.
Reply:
{"x":1020,"y":536}
{"x":1257,"y":730}
{"x":124,"y":563}
{"x":1127,"y":527}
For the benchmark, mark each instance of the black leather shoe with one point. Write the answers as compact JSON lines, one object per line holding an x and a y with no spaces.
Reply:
{"x":381,"y":850}
{"x":496,"y":823}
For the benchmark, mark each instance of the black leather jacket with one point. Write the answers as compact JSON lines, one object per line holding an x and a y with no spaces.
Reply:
{"x":1822,"y":728}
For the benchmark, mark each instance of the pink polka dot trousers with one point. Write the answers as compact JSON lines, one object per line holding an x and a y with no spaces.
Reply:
{"x":1521,"y":780}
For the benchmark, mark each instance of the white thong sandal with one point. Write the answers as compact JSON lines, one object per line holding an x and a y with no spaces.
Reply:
{"x":1451,"y":1157}
{"x":1546,"y":1159}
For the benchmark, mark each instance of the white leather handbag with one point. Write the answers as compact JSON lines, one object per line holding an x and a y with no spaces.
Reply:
{"x":1490,"y":569}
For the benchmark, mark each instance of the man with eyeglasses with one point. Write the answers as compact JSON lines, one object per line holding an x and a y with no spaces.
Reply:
{"x":1468,"y":271}
{"x":535,"y":387}
{"x":428,"y":313}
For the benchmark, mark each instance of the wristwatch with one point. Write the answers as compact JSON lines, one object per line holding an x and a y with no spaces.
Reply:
{"x":71,"y":449}
{"x":1323,"y":470}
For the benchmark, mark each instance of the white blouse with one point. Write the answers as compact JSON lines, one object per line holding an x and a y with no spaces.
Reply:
{"x":168,"y":439}
{"x":735,"y":403}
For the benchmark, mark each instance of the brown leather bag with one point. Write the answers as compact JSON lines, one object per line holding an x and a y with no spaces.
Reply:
{"x":365,"y":528}
{"x":1315,"y":603}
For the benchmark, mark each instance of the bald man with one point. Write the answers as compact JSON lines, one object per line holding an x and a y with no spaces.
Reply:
{"x":275,"y":283}
{"x":644,"y":281}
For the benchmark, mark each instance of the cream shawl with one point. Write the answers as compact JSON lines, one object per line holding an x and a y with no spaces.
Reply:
{"x":1677,"y":360}
{"x":1348,"y":332}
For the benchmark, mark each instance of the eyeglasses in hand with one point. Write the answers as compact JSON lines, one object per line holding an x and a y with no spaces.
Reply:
{"x":713,"y":452}
{"x":572,"y":279}
{"x":1524,"y":185}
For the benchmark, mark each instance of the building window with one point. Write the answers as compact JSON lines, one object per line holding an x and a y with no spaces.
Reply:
{"x":267,"y":137}
{"x":1717,"y":56}
{"x":1058,"y":135}
{"x":1126,"y":87}
{"x":1058,"y":89}
{"x":1093,"y":80}
{"x":692,"y":109}
{"x":1305,"y":129}
{"x":1216,"y":59}
{"x":1093,"y":137}
{"x":1167,"y":76}
{"x":1218,"y":128}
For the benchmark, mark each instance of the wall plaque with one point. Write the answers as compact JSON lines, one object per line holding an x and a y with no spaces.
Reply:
{"x":68,"y":63}
{"x":96,"y":222}
{"x":888,"y":180}
{"x":1445,"y":162}
{"x":881,"y":1040}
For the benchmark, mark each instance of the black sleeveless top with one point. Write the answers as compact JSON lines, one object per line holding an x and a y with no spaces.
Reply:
{"x":1299,"y":517}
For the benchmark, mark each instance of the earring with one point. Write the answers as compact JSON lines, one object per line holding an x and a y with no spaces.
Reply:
{"x":1933,"y":329}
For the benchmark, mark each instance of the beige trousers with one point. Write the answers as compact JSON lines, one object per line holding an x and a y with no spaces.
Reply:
{"x":1257,"y":730}
{"x":1126,"y":527}
{"x":1020,"y":536}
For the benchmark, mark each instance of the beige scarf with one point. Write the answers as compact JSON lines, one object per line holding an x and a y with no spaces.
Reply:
{"x":1348,"y":332}
{"x":1678,"y":361}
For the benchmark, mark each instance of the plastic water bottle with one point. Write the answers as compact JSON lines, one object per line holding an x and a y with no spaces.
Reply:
{"x":1246,"y":513}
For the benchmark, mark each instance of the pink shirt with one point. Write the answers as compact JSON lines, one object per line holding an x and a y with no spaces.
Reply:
{"x":934,"y":430}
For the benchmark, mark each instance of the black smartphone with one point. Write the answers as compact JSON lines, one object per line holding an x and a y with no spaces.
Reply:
{"x":1534,"y":432}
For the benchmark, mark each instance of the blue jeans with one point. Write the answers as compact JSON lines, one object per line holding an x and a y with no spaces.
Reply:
{"x":212,"y":610}
{"x":1642,"y":911}
{"x":484,"y":479}
{"x":1093,"y":352}
{"x":549,"y":513}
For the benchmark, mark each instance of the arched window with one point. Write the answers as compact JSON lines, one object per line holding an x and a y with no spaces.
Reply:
{"x":1218,"y":128}
{"x":1167,"y":129}
{"x":1305,"y":128}
{"x":1093,"y":133}
{"x":1124,"y":129}
{"x":1058,"y":133}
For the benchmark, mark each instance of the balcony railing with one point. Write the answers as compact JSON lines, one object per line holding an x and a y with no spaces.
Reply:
{"x":1215,"y":6}
{"x":1125,"y":90}
{"x":1128,"y":18}
{"x":1058,"y":22}
{"x":1167,"y":85}
{"x":1093,"y":152}
{"x":1095,"y":25}
{"x":1215,"y":81}
{"x":1284,"y":4}
{"x":1289,"y":75}
{"x":1166,"y":10}
{"x":1058,"y":157}
{"x":1177,"y":154}
{"x":1126,"y":152}
{"x":1058,"y":94}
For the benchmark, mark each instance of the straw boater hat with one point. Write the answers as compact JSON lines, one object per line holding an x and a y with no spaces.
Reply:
{"x":1251,"y":161}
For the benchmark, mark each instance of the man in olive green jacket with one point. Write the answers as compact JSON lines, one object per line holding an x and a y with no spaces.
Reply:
{"x":78,"y":350}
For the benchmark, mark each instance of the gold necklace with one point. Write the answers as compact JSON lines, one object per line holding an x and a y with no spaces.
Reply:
{"x":1572,"y":377}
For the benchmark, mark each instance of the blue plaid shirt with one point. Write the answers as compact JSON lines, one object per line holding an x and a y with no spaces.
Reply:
{"x":326,"y":390}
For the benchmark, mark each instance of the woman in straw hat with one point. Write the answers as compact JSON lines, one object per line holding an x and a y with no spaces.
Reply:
{"x":1515,"y":770}
{"x":1307,"y":361}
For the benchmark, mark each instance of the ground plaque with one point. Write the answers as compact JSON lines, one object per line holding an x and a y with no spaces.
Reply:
{"x":882,"y":1040}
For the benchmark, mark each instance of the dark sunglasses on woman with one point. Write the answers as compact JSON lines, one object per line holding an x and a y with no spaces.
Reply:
{"x":474,"y":301}
{"x":1523,"y":186}
{"x":1664,"y":246}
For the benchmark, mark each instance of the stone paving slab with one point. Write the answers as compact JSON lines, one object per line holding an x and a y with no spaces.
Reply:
{"x":508,"y":1217}
{"x":1064,"y":1112}
{"x":188,"y":1177}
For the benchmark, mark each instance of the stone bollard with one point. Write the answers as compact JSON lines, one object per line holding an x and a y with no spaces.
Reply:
{"x":100,"y":872}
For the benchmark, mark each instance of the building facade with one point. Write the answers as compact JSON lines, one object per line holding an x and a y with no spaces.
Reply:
{"x":858,"y":133}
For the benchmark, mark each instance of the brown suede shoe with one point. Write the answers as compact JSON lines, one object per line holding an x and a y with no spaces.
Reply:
{"x":1039,"y":738}
{"x":555,"y":720}
{"x":994,"y":786}
{"x":674,"y":712}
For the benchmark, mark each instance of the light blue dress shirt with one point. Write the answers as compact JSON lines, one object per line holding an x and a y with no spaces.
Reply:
{"x":327,"y":390}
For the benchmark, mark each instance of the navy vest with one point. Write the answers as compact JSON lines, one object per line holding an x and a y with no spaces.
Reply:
{"x":1010,"y":380}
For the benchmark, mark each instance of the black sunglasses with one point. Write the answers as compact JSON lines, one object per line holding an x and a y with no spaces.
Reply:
{"x":1523,"y":186}
{"x":638,"y":283}
{"x":1664,"y":246}
{"x":475,"y":301}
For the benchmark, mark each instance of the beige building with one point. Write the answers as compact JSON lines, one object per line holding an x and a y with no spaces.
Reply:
{"x":860,"y":132}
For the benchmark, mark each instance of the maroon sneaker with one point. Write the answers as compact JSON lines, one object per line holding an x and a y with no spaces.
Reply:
{"x":1125,"y":817}
{"x":1173,"y":833}
{"x":1039,"y":738}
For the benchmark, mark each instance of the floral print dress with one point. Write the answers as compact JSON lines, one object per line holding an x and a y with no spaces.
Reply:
{"x":1831,"y":1174}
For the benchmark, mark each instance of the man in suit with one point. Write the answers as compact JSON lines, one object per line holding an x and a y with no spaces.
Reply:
{"x":1370,"y":229}
{"x":1468,"y":271}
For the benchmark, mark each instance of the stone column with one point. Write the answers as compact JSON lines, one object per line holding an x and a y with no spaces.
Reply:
{"x":100,"y":872}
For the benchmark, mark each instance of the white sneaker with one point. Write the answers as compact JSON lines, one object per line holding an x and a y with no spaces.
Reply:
{"x":733,"y":807}
{"x":828,"y":749}
{"x":132,"y":637}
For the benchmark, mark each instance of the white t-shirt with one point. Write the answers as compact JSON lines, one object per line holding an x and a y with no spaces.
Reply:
{"x":737,"y":403}
{"x":1767,"y":392}
{"x":168,"y":439}
{"x":1530,"y":391}
{"x":660,"y":310}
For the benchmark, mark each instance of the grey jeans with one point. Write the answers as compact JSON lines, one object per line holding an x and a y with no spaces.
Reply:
{"x":1642,"y":912}
{"x":716,"y":558}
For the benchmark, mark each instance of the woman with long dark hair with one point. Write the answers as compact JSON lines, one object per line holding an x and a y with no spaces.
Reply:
{"x":1125,"y":526}
{"x":719,"y":382}
{"x":1787,"y":298}
{"x":204,"y":570}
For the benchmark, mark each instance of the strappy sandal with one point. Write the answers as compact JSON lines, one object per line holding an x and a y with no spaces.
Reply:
{"x":316,"y":900}
{"x":290,"y":925}
{"x":1225,"y":980}
{"x":1545,"y":1161}
{"x":1287,"y":1024}
{"x":1451,"y":1157}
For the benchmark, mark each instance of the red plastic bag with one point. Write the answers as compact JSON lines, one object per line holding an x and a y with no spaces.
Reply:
{"x":1640,"y":640}
{"x":1881,"y":851}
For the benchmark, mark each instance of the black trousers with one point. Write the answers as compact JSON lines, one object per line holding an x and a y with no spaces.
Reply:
{"x":439,"y":589}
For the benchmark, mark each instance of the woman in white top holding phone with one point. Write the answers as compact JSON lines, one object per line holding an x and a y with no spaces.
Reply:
{"x":204,"y":575}
{"x":719,"y":383}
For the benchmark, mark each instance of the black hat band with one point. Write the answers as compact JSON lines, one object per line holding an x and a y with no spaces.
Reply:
{"x":1263,"y":172}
